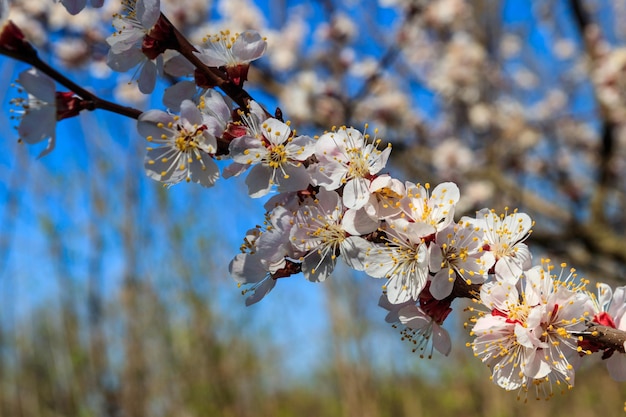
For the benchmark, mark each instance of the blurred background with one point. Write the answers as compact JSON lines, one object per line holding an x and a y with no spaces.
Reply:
{"x":115,"y":297}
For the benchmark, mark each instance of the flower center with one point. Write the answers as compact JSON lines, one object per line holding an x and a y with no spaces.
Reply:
{"x":277,"y":156}
{"x":187,"y":140}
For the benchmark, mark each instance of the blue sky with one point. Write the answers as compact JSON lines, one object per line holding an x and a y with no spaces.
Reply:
{"x":96,"y":155}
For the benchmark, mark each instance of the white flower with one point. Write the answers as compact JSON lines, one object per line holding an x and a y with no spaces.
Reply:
{"x":347,"y":158}
{"x":277,"y":156}
{"x":435,"y":208}
{"x":247,"y":269}
{"x":38,"y":122}
{"x":320,"y":232}
{"x":187,"y":146}
{"x":263,"y":260}
{"x":386,"y":194}
{"x":127,"y":43}
{"x":402,"y":259}
{"x":504,"y":235}
{"x":458,"y":251}
{"x":526,"y":337}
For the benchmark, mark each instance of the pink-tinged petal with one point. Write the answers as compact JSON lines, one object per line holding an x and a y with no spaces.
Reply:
{"x":401,"y":288}
{"x":246,"y":268}
{"x":536,"y":366}
{"x":441,"y":340}
{"x":328,"y":174}
{"x":413,"y":317}
{"x":161,"y":164}
{"x":417,"y":231}
{"x":522,"y":224}
{"x":499,"y":295}
{"x":148,"y":121}
{"x":616,"y":366}
{"x":352,"y":252}
{"x":605,"y":295}
{"x":148,"y":12}
{"x":211,"y":57}
{"x":124,"y":38}
{"x":381,"y":161}
{"x":506,"y":375}
{"x":618,"y":307}
{"x":296,"y":179}
{"x":435,"y":258}
{"x":247,"y":150}
{"x":74,"y":6}
{"x":316,"y":268}
{"x":358,"y":222}
{"x":258,"y":181}
{"x":207,"y":143}
{"x":393,"y":309}
{"x":492,"y":327}
{"x":38,"y":84}
{"x":37,"y":124}
{"x":147,"y":77}
{"x":125,"y":60}
{"x":377,"y":263}
{"x":189,"y":113}
{"x":301,"y":148}
{"x":216,"y":105}
{"x":178,"y":66}
{"x":356,"y":193}
{"x":174,"y":95}
{"x":249,"y":46}
{"x":4,"y":11}
{"x":275,"y":131}
{"x":234,"y":170}
{"x":441,"y":284}
{"x":509,"y":269}
{"x":329,"y":147}
{"x":261,"y":291}
{"x":204,"y":172}
{"x":524,"y":337}
{"x":329,"y":202}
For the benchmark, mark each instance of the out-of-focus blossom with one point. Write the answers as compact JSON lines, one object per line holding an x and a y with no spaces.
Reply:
{"x":445,"y":14}
{"x":452,"y":157}
{"x":75,"y":6}
{"x":285,"y":46}
{"x":609,"y":78}
{"x":461,"y":72}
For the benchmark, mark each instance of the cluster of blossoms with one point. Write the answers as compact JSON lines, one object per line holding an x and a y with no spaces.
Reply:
{"x":331,"y":199}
